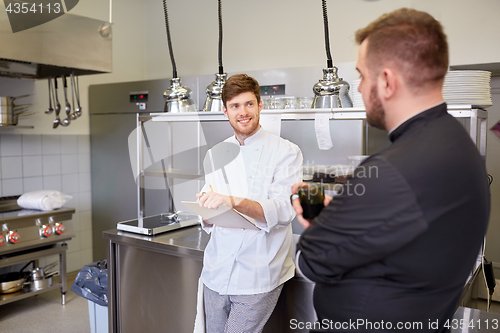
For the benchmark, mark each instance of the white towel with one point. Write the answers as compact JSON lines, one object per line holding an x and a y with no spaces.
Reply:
{"x":199,"y":322}
{"x":43,"y":200}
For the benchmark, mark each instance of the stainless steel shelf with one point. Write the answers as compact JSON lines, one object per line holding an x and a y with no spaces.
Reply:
{"x":60,"y":249}
{"x":25,"y":293}
{"x":5,"y":127}
{"x":34,"y":254}
{"x":458,"y":111}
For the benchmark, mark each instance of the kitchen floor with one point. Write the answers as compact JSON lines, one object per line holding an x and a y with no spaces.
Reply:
{"x":481,"y":304}
{"x":45,"y":314}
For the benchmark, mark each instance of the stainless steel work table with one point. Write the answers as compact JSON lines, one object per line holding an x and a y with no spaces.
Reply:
{"x":153,"y":284}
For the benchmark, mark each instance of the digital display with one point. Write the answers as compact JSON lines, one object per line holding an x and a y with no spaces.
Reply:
{"x":139,"y":97}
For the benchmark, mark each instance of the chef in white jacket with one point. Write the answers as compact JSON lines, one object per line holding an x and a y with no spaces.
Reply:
{"x":244,"y":270}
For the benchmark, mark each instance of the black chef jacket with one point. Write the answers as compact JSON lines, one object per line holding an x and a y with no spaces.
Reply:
{"x":399,"y":246}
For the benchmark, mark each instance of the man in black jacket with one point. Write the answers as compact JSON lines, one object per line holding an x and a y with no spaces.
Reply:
{"x":395,"y":253}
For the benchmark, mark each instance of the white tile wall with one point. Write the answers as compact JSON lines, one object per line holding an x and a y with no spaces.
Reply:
{"x":52,"y":162}
{"x":11,"y":145}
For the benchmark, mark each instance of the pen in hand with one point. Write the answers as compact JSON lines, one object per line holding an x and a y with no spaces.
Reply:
{"x":203,"y":193}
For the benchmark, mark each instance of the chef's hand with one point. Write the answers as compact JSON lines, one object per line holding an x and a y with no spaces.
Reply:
{"x":306,"y":223}
{"x":213,"y":200}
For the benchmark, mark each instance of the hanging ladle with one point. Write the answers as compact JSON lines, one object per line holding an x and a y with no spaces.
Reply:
{"x":66,"y":121}
{"x":73,"y":114}
{"x":57,"y":121}
{"x":78,"y":110}
{"x":50,"y":109}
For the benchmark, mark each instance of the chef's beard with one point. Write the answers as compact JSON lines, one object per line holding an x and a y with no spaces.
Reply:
{"x":246,"y":132}
{"x":375,"y":115}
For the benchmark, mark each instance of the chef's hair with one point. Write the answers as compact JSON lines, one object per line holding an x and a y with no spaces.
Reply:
{"x":238,"y":84}
{"x":410,"y":40}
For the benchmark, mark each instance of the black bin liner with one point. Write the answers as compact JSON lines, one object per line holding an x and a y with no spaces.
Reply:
{"x":92,"y":282}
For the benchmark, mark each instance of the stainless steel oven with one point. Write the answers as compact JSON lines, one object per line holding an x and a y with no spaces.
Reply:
{"x":30,"y":235}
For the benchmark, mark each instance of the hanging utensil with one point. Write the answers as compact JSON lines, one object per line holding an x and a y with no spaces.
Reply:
{"x":77,"y":93}
{"x":66,"y":121}
{"x":50,"y":109}
{"x":73,"y":114}
{"x":57,"y":121}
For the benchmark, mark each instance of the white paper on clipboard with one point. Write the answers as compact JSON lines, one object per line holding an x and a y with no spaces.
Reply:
{"x":223,"y":216}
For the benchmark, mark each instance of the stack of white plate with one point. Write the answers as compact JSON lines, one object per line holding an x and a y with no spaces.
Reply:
{"x":357,"y":99}
{"x":467,"y":87}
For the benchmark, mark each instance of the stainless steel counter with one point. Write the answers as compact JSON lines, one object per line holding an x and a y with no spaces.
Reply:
{"x":157,"y":277}
{"x":183,"y":242}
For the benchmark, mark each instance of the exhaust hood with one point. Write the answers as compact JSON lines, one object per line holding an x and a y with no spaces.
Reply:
{"x":65,"y":45}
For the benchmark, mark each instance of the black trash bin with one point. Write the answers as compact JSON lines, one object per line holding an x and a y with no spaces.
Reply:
{"x":92,"y":283}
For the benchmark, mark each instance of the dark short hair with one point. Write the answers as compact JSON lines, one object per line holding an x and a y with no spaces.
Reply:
{"x":411,"y":40}
{"x":238,"y":84}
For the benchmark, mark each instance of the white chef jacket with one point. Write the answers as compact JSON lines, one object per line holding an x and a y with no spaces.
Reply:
{"x":242,"y":261}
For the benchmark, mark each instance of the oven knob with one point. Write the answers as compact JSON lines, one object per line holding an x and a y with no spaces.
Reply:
{"x":60,"y":228}
{"x":46,"y":231}
{"x":13,"y":237}
{"x":2,"y":240}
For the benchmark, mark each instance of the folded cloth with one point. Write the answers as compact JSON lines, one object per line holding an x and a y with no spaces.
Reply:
{"x":43,"y":200}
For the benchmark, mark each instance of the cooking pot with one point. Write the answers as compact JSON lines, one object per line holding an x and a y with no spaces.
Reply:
{"x":42,"y":283}
{"x":9,"y":112}
{"x":7,"y":115}
{"x":40,"y":273}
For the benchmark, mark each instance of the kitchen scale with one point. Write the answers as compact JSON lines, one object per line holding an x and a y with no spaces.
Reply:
{"x":157,"y":224}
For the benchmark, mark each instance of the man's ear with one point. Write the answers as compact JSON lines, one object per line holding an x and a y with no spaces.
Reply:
{"x":225,"y":111}
{"x":388,"y":83}
{"x":260,"y":105}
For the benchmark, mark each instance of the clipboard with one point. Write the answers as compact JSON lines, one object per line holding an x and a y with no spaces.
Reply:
{"x":223,"y":216}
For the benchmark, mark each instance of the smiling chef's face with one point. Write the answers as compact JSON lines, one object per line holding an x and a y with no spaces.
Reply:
{"x":243,"y":113}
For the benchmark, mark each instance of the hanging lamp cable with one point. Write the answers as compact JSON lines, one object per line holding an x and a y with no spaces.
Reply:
{"x":329,"y":61}
{"x":221,"y":69}
{"x":174,"y":68}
